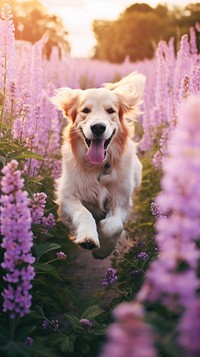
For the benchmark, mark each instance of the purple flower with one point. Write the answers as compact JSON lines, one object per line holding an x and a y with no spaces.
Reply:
{"x":143,"y":256}
{"x":49,"y":222}
{"x":161,"y":87}
{"x":176,"y":235}
{"x":193,"y":41}
{"x":195,"y":78}
{"x":184,"y":88}
{"x":135,"y":273}
{"x":189,"y":328}
{"x":155,"y":210}
{"x":61,"y":256}
{"x":167,"y":278}
{"x":157,"y":160}
{"x":19,"y":123}
{"x":8,"y":52}
{"x":183,"y":63}
{"x":45,"y":325}
{"x":6,"y":12}
{"x":139,"y":244}
{"x":29,"y":341}
{"x":15,"y":226}
{"x":37,"y":207}
{"x":129,"y":336}
{"x":57,"y":169}
{"x":86,"y":323}
{"x":54,"y":324}
{"x":110,"y":278}
{"x":197,"y":26}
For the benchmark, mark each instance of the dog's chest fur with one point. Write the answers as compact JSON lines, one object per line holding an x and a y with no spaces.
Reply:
{"x":95,"y":191}
{"x":98,"y":188}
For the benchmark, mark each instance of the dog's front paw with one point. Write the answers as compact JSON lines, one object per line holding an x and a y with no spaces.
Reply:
{"x":102,"y":253}
{"x":109,"y":230}
{"x":87,"y":240}
{"x":110,"y":226}
{"x":88,"y":244}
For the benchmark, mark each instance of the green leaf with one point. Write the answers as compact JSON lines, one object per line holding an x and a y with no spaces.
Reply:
{"x":74,"y":321}
{"x":41,"y":267}
{"x":144,"y":224}
{"x":85,"y":349}
{"x":4,"y":146}
{"x":36,"y":315}
{"x":24,"y":332}
{"x":26,"y":155}
{"x":99,"y":332}
{"x":91,"y":312}
{"x":67,"y":344}
{"x":15,"y":349}
{"x":47,"y":269}
{"x":4,"y":335}
{"x":3,"y":160}
{"x":41,"y":249}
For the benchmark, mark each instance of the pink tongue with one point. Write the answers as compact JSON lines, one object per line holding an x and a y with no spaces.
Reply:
{"x":95,"y":152}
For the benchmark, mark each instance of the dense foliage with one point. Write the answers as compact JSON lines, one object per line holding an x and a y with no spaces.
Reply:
{"x":157,"y":279}
{"x":138,"y":30}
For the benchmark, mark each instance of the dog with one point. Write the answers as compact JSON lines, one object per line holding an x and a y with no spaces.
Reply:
{"x":100,"y":166}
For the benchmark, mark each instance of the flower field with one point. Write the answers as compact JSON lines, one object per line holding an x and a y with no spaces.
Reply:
{"x":156,"y":312}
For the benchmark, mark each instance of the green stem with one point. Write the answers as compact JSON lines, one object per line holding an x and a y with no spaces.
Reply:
{"x":45,"y":154}
{"x":51,"y":324}
{"x":135,"y":266}
{"x":117,"y":291}
{"x":128,"y":261}
{"x":50,"y":261}
{"x":51,"y":208}
{"x":13,"y":326}
{"x":29,"y":166}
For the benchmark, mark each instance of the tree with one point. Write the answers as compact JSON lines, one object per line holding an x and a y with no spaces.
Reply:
{"x":138,"y":30}
{"x":32,"y":21}
{"x":144,"y":8}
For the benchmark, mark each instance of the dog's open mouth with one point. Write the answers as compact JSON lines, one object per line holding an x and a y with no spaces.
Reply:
{"x":106,"y":142}
{"x":97,"y":149}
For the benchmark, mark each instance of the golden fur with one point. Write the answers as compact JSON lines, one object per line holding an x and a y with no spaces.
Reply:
{"x":100,"y":167}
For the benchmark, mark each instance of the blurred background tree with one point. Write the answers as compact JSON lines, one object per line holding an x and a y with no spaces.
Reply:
{"x":138,"y":30}
{"x":32,"y":21}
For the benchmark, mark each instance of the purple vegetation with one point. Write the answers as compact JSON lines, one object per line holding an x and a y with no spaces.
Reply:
{"x":17,"y":241}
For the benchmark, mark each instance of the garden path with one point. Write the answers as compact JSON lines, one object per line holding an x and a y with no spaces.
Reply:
{"x":89,"y":273}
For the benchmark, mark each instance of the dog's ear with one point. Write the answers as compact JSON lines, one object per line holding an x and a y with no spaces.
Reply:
{"x":129,"y":91}
{"x":67,"y":100}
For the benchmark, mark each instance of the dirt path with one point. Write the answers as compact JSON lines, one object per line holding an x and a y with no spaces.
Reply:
{"x":89,"y":273}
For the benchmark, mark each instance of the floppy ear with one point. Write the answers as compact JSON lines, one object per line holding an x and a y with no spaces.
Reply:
{"x":67,"y":99}
{"x":129,"y":91}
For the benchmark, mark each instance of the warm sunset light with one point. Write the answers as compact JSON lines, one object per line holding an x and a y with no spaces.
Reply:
{"x":78,"y":16}
{"x":99,"y":178}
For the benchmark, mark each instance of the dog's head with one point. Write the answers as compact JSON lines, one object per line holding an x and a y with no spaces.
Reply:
{"x":98,"y":115}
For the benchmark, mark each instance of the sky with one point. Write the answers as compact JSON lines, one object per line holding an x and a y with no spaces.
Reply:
{"x":78,"y":16}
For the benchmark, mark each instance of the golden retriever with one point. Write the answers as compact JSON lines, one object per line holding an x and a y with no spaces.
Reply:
{"x":100,"y":167}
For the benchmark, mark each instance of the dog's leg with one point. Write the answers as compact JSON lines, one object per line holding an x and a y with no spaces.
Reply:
{"x":82,"y":221}
{"x":110,"y":230}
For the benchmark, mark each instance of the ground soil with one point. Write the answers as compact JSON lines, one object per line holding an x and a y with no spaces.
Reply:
{"x":88,"y":272}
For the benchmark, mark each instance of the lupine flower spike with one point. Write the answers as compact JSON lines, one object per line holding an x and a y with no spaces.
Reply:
{"x":17,"y":241}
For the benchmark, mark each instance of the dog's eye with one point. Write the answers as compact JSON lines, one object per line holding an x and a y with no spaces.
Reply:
{"x":86,"y":110}
{"x":110,"y":110}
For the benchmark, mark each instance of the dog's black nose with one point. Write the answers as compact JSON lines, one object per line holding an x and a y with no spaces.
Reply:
{"x":98,"y":129}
